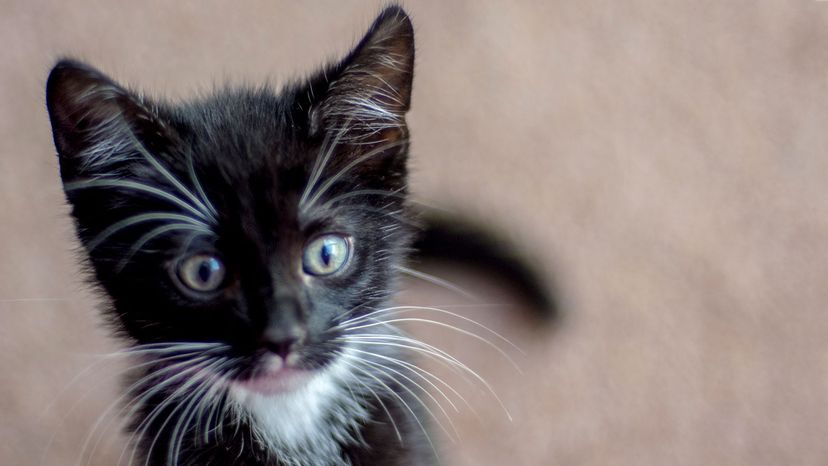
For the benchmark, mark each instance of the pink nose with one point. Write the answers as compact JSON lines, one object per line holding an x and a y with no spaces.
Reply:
{"x":281,"y":341}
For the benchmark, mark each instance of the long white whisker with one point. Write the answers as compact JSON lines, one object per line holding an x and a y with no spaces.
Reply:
{"x":214,"y":414}
{"x":427,"y":350}
{"x":149,"y":236}
{"x":136,"y":186}
{"x":437,"y":281}
{"x":77,"y":403}
{"x":170,"y":177}
{"x":170,"y":345}
{"x":142,"y":428}
{"x":396,"y":395}
{"x":383,"y":369}
{"x":403,"y":309}
{"x":199,"y":188}
{"x":444,"y":325}
{"x":136,"y":219}
{"x":379,"y":150}
{"x":319,"y":164}
{"x":422,"y":373}
{"x":138,"y":402}
{"x":215,"y":394}
{"x":384,"y":408}
{"x":184,"y":419}
{"x":363,"y":192}
{"x":136,"y":350}
{"x":450,"y":360}
{"x":128,"y":392}
{"x":182,"y":393}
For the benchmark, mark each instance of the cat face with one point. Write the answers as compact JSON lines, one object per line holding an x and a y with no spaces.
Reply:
{"x":253,"y":220}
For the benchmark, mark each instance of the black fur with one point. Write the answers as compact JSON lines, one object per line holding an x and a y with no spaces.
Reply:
{"x":253,"y":152}
{"x":238,"y":170}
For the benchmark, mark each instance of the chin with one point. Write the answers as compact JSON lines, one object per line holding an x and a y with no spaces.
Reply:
{"x":287,"y":406}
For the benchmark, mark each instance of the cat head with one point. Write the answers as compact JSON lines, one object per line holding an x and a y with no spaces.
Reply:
{"x":256,"y":220}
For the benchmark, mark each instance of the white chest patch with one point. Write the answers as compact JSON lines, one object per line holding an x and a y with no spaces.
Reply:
{"x":305,"y":427}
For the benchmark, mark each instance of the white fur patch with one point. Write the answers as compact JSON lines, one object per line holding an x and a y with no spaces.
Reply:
{"x":305,"y":427}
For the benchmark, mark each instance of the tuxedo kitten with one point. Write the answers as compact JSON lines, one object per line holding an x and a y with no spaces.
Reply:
{"x":248,"y":243}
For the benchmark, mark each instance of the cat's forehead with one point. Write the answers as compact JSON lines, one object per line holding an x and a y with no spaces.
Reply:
{"x":238,"y":118}
{"x":243,"y":134}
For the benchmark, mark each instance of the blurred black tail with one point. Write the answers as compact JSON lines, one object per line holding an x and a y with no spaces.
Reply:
{"x":471,"y":244}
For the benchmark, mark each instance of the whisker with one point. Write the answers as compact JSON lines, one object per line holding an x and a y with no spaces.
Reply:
{"x":319,"y":164}
{"x":77,"y":403}
{"x":136,"y":219}
{"x":437,"y":281}
{"x":395,"y":215}
{"x":199,"y":188}
{"x":141,"y":429}
{"x":319,"y":167}
{"x":429,"y":351}
{"x":138,"y":401}
{"x":379,"y":150}
{"x":183,"y":391}
{"x":450,"y":360}
{"x":381,"y":403}
{"x":448,"y":326}
{"x":403,"y":309}
{"x":143,"y":240}
{"x":363,"y":192}
{"x":383,"y":369}
{"x":135,"y":186}
{"x":126,"y":393}
{"x":164,"y":347}
{"x":422,"y":373}
{"x":169,"y":176}
{"x":136,"y":350}
{"x":179,"y":430}
{"x":399,"y":398}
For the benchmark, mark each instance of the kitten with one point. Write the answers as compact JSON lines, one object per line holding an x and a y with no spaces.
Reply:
{"x":248,"y":242}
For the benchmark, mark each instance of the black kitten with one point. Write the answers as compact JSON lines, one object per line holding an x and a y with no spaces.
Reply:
{"x":248,"y":241}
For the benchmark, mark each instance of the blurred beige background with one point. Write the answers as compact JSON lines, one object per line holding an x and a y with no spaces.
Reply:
{"x":666,"y":162}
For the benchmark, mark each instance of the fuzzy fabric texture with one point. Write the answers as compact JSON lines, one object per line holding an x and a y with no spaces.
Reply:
{"x":665,"y":162}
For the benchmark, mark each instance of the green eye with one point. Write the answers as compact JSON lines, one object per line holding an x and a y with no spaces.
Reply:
{"x":326,"y":254}
{"x":201,"y":272}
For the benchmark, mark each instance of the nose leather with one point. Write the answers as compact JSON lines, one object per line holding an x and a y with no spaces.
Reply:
{"x":285,"y":328}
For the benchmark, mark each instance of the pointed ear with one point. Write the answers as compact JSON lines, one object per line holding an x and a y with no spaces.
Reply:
{"x":369,"y":92}
{"x":95,"y":122}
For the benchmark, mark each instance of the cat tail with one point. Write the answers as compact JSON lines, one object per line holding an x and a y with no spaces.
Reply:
{"x":473,"y":244}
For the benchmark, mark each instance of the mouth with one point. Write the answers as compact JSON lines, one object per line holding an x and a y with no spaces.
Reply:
{"x":274,"y":377}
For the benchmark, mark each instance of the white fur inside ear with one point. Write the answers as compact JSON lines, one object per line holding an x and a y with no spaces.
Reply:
{"x":365,"y":105}
{"x":110,"y":137}
{"x":306,"y":427}
{"x":372,"y":92}
{"x":111,"y":143}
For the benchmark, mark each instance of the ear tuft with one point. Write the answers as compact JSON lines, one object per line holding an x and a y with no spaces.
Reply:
{"x":370,"y":91}
{"x":94,"y":120}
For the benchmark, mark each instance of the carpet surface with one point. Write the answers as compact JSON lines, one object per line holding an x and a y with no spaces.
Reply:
{"x":665,"y":163}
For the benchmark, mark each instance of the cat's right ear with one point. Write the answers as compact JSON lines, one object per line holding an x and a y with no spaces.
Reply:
{"x":95,"y":122}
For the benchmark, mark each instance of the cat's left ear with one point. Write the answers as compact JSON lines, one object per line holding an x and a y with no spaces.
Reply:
{"x":366,"y":95}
